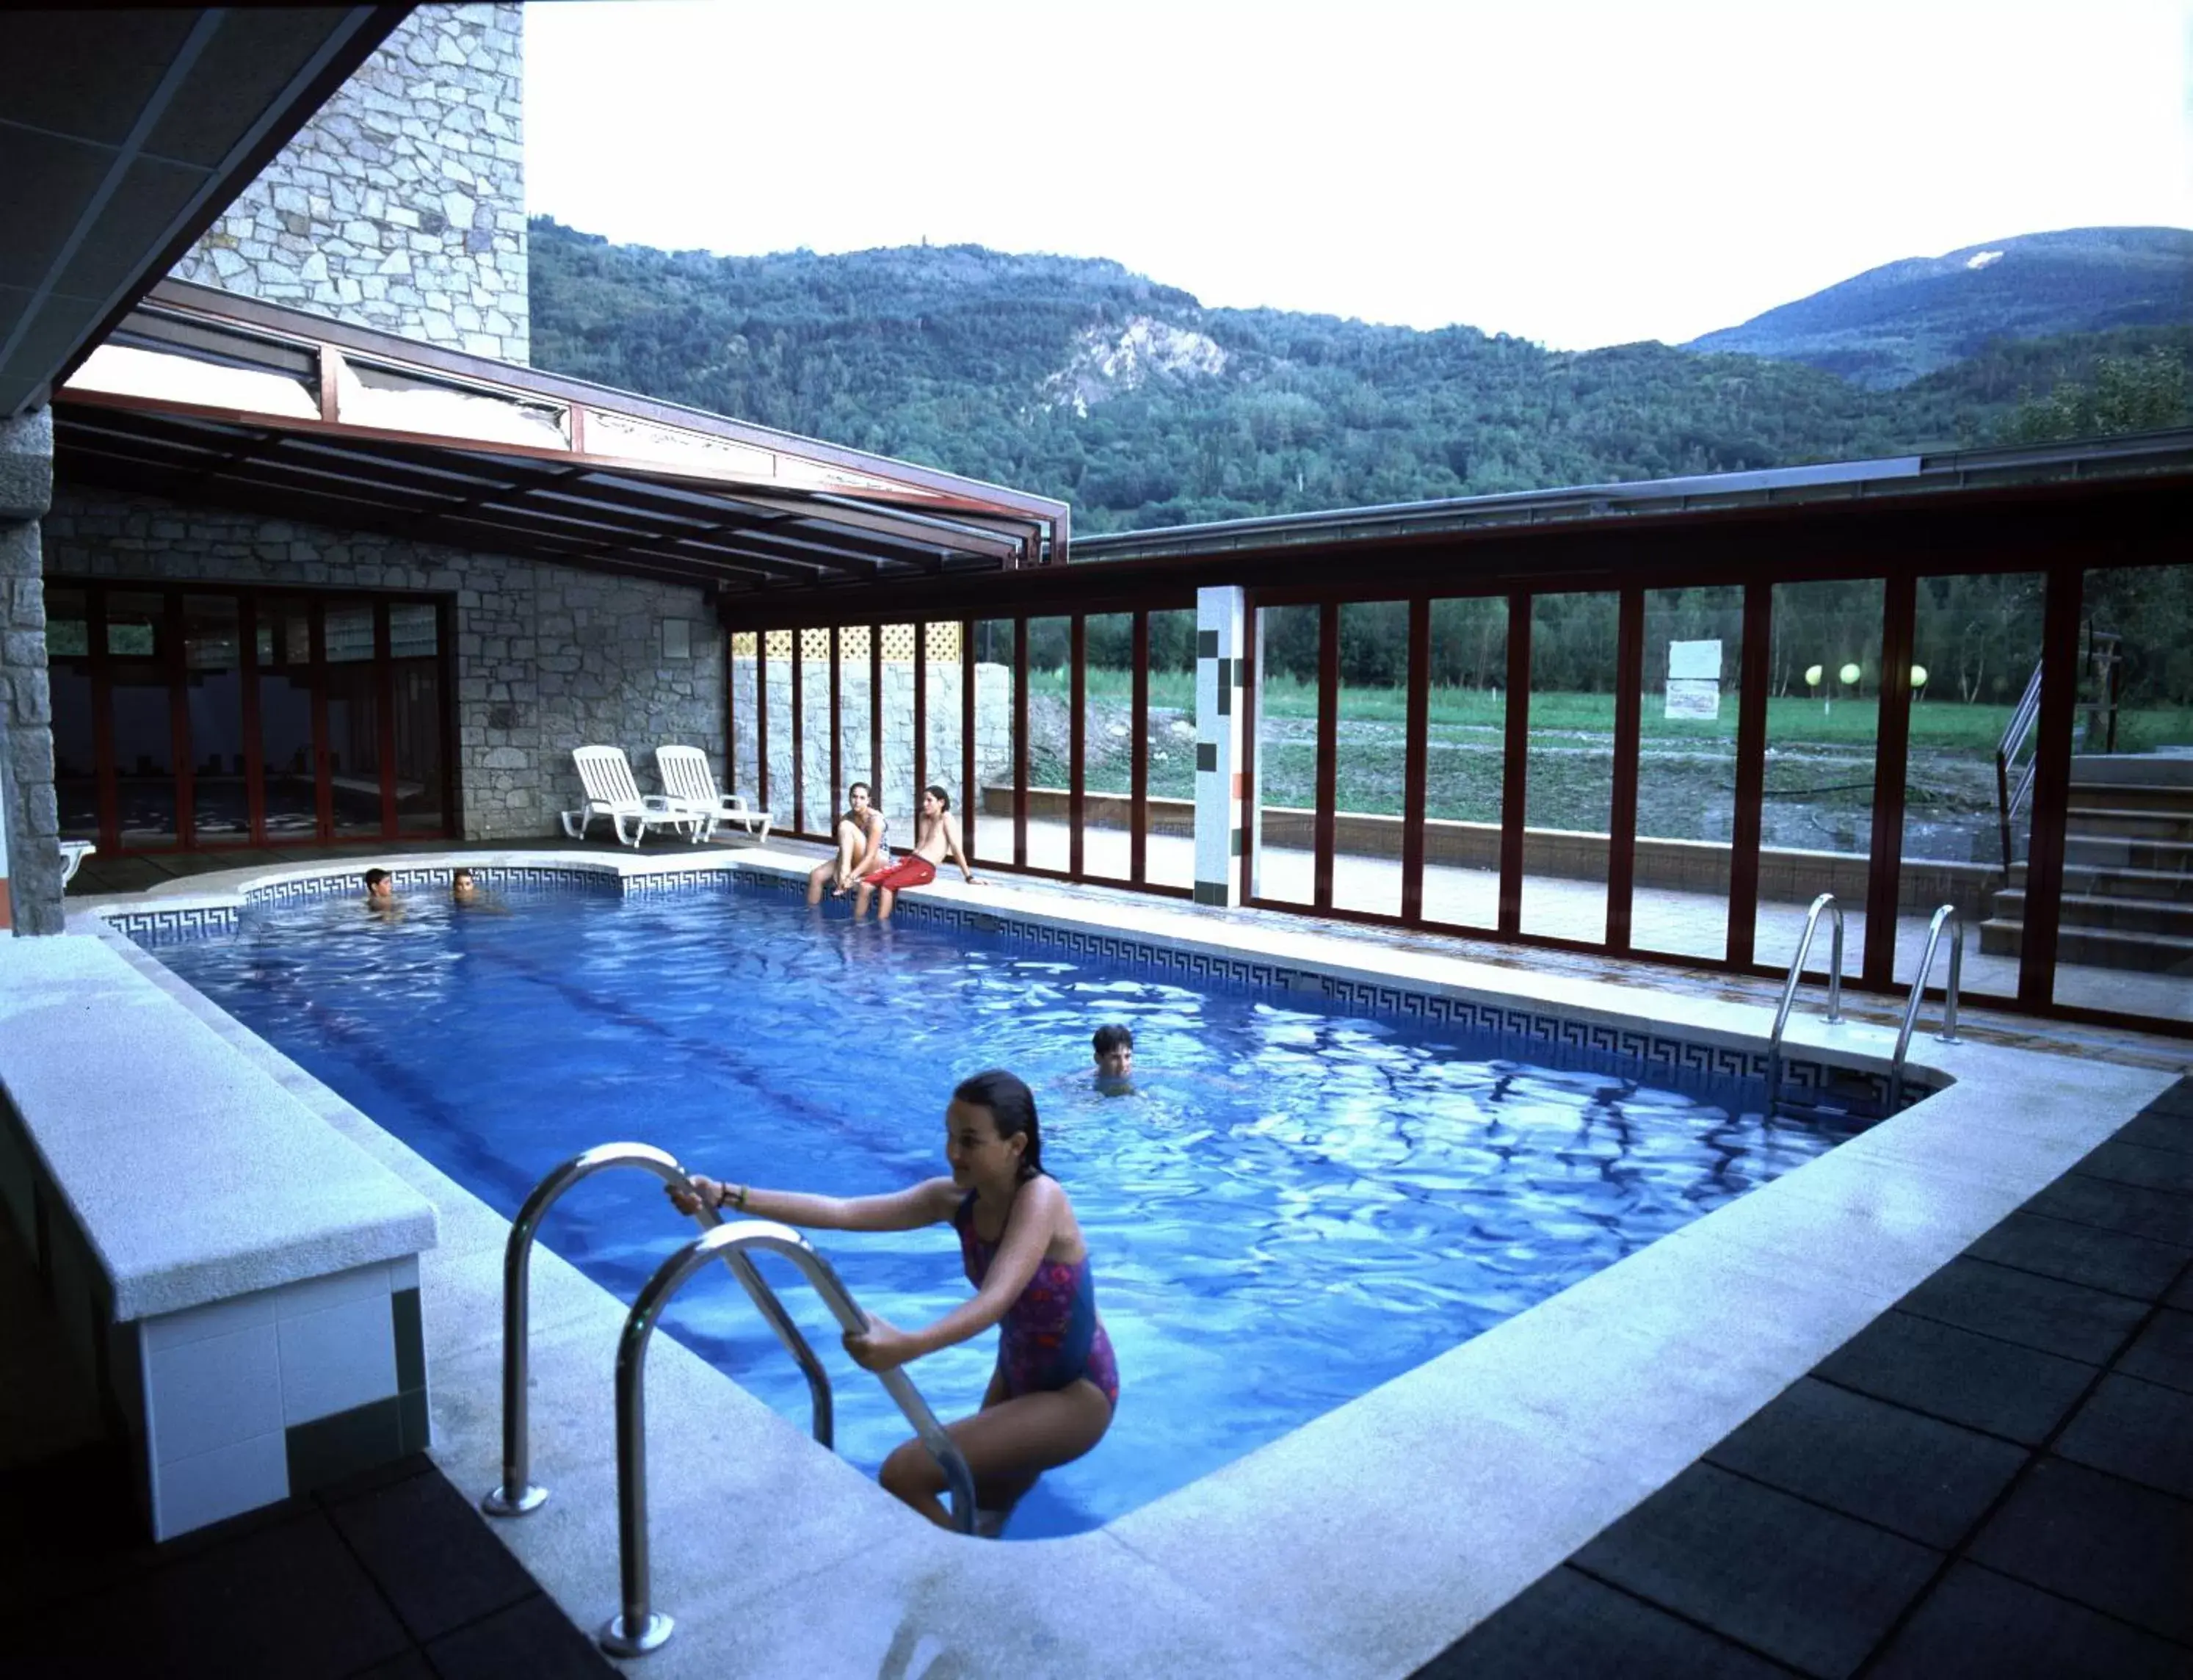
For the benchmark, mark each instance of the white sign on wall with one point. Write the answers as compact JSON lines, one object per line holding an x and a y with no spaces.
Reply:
{"x":1694,"y":680}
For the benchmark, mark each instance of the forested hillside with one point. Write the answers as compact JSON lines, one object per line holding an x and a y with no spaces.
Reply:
{"x":1080,"y":380}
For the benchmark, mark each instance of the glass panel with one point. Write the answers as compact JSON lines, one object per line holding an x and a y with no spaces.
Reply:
{"x":742,"y":756}
{"x":1823,"y":715}
{"x":1050,"y":730}
{"x":1169,"y":859}
{"x":68,"y":667}
{"x":353,"y":718}
{"x":816,"y":796}
{"x":213,"y":671}
{"x":941,"y":676}
{"x":1569,"y":791}
{"x":1975,"y":649}
{"x":285,"y":719}
{"x":2125,"y":936}
{"x":143,"y":726}
{"x":856,"y":745}
{"x":1465,"y":754}
{"x":1285,"y":796}
{"x":1373,"y":741}
{"x":894,"y":777}
{"x":777,"y":649}
{"x":993,"y":821}
{"x":414,"y":651}
{"x":1108,"y":749}
{"x":1687,"y":770}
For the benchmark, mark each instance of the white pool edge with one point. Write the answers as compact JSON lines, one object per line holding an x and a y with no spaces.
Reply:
{"x":1362,"y":1543}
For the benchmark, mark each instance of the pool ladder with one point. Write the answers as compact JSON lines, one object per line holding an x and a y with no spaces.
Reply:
{"x":638,"y":1628}
{"x":1825,"y":903}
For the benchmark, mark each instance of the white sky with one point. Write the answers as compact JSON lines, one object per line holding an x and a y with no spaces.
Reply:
{"x":1576,"y":174}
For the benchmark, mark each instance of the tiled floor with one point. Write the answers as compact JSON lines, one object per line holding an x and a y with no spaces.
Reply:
{"x":1994,"y":1478}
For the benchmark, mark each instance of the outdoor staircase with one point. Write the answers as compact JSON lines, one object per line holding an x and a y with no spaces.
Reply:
{"x":2128,"y":869}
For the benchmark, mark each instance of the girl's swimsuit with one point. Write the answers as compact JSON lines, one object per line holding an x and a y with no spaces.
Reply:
{"x":1050,"y":1337}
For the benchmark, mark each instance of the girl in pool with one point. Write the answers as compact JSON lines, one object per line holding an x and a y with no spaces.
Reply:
{"x":1052,"y":1396}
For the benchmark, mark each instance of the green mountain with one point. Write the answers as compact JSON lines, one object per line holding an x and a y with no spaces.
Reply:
{"x":1892,"y":324}
{"x":1080,"y":380}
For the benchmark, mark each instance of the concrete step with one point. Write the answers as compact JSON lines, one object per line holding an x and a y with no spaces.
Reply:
{"x":2170,"y":768}
{"x":2131,"y":796}
{"x":2120,"y":915}
{"x":2093,"y":880}
{"x":2096,"y":948}
{"x":2124,"y":851}
{"x":2118,"y":822}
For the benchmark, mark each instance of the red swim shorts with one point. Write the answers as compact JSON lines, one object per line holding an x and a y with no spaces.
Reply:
{"x":906,"y":871}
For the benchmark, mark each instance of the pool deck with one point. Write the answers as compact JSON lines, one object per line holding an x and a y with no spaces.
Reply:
{"x":1603,"y":1428}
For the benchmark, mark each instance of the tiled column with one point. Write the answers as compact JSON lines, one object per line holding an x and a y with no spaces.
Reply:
{"x":29,"y":857}
{"x":1218,"y":812}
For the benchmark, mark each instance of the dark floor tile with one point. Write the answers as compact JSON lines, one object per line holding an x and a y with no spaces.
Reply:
{"x":287,"y":1602}
{"x":1805,"y":1585}
{"x":431,"y":1554}
{"x":2164,"y":1351}
{"x":2139,"y":1430}
{"x":1959,"y":1376}
{"x":1980,"y":1626}
{"x":411,"y":1666}
{"x":2102,"y":1259}
{"x":1570,"y":1624}
{"x":2156,"y":1131}
{"x":2036,"y":1312}
{"x":2130,"y":1163}
{"x":374,"y":1478}
{"x":532,"y":1637}
{"x":2118,"y":1206}
{"x":1923,"y":1478}
{"x":2177,"y":1100}
{"x":2181,"y":1294}
{"x":2111,"y":1545}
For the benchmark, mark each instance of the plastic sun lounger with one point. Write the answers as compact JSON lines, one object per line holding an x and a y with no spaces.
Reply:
{"x":73,"y":852}
{"x":687,"y":777}
{"x":606,"y":774}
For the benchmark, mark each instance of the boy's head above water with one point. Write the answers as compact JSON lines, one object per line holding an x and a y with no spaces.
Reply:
{"x":1115,"y":1050}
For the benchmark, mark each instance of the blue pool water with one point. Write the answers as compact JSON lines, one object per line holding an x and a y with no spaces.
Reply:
{"x":1294,"y":1206}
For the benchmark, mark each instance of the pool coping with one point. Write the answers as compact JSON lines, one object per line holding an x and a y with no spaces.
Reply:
{"x":1483,"y":1467}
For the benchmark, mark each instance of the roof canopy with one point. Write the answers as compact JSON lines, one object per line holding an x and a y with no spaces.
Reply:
{"x":205,"y":398}
{"x":122,"y":134}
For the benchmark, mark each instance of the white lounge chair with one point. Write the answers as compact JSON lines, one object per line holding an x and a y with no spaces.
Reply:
{"x":687,"y":777}
{"x":73,"y":852}
{"x":606,"y":775}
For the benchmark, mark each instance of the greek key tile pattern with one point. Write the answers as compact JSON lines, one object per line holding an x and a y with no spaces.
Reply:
{"x":171,"y":927}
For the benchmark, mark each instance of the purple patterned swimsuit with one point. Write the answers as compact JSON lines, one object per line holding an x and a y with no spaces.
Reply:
{"x":1049,"y":1337}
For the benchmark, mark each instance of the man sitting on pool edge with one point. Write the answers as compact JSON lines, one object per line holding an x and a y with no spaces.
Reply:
{"x":935,"y":837}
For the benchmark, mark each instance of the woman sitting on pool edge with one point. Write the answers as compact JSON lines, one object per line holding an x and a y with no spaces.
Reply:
{"x":1051,"y":1396}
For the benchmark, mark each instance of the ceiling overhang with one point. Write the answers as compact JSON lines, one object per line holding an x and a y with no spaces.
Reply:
{"x":123,"y":134}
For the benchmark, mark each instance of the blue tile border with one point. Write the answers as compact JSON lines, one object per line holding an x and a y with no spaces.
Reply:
{"x":1537,"y":1034}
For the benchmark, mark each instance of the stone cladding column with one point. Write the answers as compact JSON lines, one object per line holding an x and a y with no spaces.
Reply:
{"x":1219,"y":614}
{"x":29,"y":818}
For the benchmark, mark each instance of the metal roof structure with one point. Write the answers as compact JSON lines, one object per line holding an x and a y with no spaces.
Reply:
{"x":122,"y":134}
{"x":205,"y":398}
{"x":2170,"y":451}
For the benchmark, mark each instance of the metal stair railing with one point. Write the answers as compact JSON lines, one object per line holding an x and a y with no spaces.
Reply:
{"x":638,"y":1628}
{"x":1825,"y":902}
{"x":2011,"y":800}
{"x":1949,"y":914}
{"x":517,"y":1495}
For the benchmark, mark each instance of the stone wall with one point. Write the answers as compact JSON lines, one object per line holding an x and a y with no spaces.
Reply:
{"x":894,"y":776}
{"x":548,"y":658}
{"x":29,"y":821}
{"x":401,"y":205}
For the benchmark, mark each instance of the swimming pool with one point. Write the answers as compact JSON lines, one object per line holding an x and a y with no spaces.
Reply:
{"x":1298,"y":1205}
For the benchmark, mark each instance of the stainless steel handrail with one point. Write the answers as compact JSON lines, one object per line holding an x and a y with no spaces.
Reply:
{"x":1826,"y":901}
{"x":517,"y":1494}
{"x":638,"y":1628}
{"x":1949,"y":914}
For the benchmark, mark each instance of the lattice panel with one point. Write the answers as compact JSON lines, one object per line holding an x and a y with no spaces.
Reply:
{"x":813,"y":645}
{"x":898,"y":643}
{"x":742,"y":645}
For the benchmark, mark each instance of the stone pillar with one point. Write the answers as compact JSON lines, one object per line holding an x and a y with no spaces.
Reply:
{"x":1218,"y":790}
{"x":29,"y":818}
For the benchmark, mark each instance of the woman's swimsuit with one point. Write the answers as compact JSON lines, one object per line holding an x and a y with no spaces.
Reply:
{"x":1050,"y":1337}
